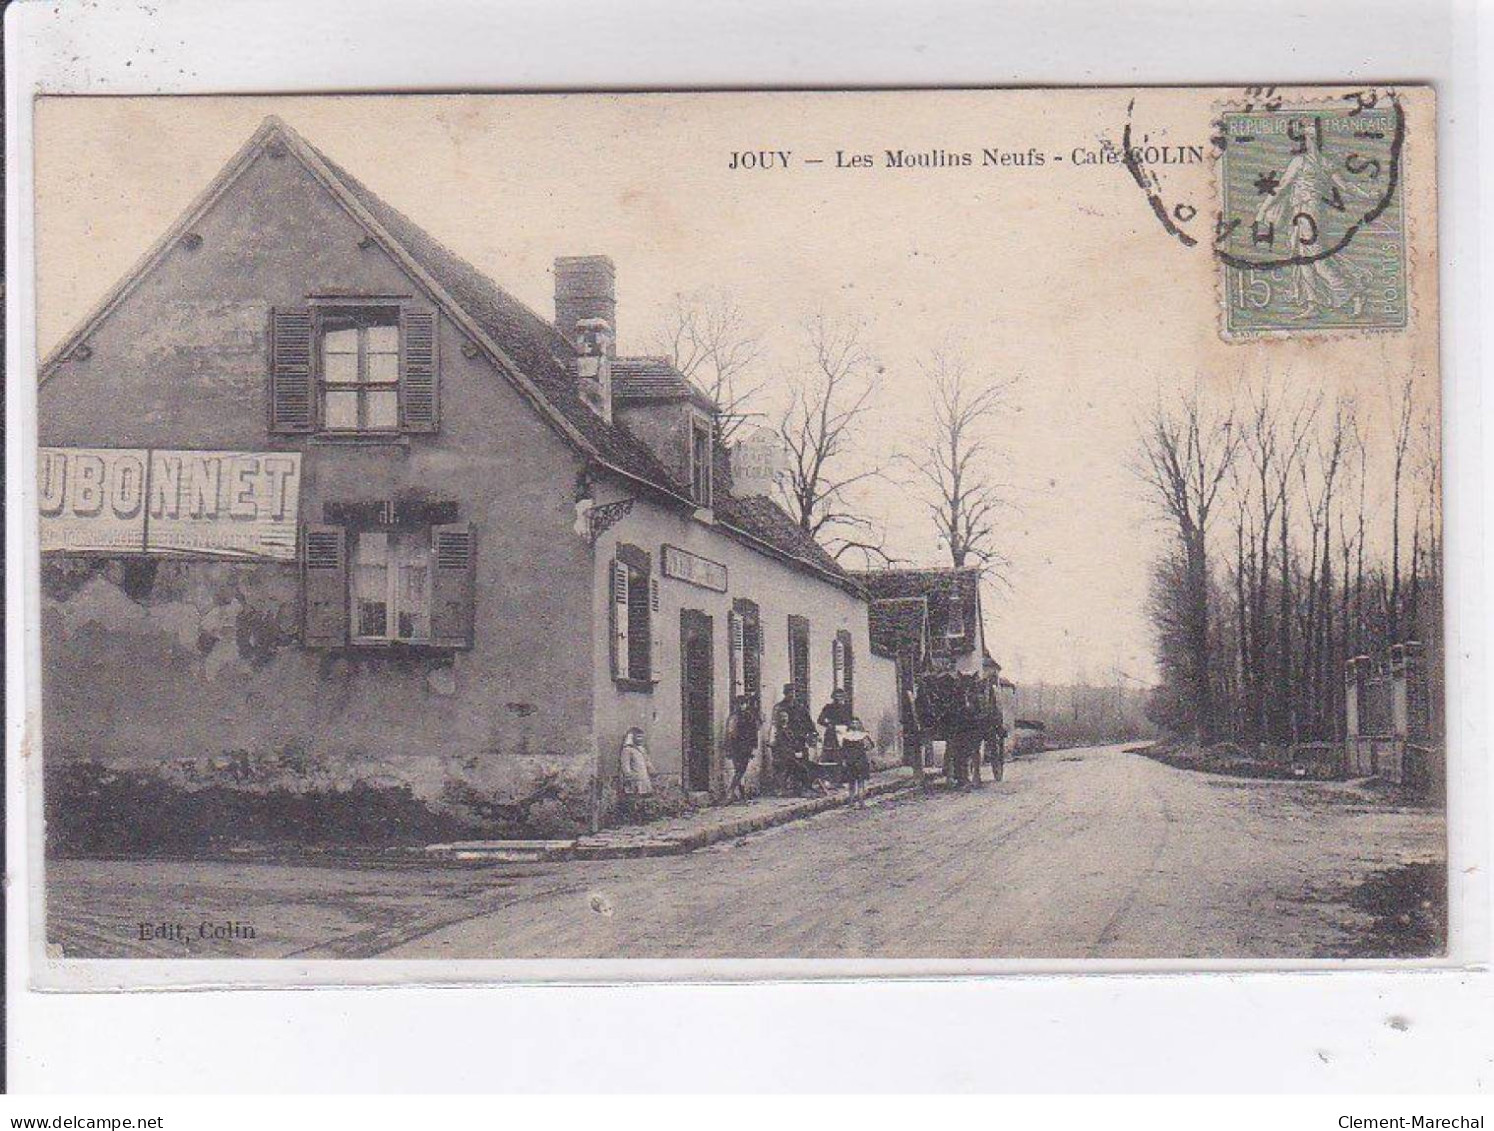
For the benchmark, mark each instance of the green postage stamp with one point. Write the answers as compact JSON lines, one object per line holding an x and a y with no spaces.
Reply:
{"x":1312,"y":228}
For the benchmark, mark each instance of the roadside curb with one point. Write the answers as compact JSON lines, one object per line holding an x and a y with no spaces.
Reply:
{"x":637,"y":841}
{"x":619,"y":845}
{"x":503,"y":851}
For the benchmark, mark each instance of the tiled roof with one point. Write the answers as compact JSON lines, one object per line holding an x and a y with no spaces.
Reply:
{"x":651,"y":379}
{"x":539,"y":350}
{"x":889,"y":584}
{"x":766,"y":521}
{"x":543,"y":354}
{"x":899,"y":626}
{"x":536,"y":356}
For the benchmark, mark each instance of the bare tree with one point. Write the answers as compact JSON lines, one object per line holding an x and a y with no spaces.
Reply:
{"x":1426,"y":551}
{"x":1187,"y":452}
{"x":1430,"y":473}
{"x":1401,"y":443}
{"x":819,"y":428}
{"x":1293,"y":452}
{"x":708,"y":339}
{"x":1317,"y":690}
{"x":1310,"y":579}
{"x":954,"y":461}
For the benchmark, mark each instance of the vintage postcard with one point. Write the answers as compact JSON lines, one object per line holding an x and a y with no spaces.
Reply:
{"x":561,"y":535}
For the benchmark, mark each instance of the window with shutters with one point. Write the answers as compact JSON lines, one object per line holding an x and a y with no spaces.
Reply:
{"x":700,"y":462}
{"x":360,"y":370}
{"x":746,"y":636}
{"x":798,"y":640}
{"x":379,"y":587}
{"x":353,"y":369}
{"x":844,"y":666}
{"x":633,"y":598}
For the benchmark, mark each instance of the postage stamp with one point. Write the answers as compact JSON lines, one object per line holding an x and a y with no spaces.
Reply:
{"x":1311,"y":234}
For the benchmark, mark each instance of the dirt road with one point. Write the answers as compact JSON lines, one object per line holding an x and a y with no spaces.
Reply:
{"x":1089,"y":853}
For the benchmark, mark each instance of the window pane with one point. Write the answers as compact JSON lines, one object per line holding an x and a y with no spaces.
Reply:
{"x":370,"y":585}
{"x":342,"y":410}
{"x":371,"y":549}
{"x":412,"y":554}
{"x":383,"y":339}
{"x":383,"y":367}
{"x":340,"y":368}
{"x":383,"y":408}
{"x":373,"y":619}
{"x":701,"y":465}
{"x":340,"y":341}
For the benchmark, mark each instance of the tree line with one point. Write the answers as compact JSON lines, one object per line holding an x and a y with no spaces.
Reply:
{"x":946,"y":453}
{"x":1302,"y":533}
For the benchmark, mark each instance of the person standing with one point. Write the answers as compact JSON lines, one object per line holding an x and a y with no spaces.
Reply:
{"x":637,"y":776}
{"x":996,"y":736}
{"x":793,"y":729}
{"x":835,"y":714}
{"x":855,"y":761}
{"x":913,"y":742}
{"x":742,"y":727}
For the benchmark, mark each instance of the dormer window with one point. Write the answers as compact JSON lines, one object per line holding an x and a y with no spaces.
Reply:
{"x":954,"y":624}
{"x":700,"y":462}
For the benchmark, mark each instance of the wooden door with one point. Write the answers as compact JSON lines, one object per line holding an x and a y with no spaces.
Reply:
{"x":697,"y":698}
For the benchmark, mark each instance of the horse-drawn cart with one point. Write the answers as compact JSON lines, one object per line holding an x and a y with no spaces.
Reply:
{"x":962,"y":711}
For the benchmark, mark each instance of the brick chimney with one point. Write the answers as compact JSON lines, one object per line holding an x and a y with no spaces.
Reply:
{"x":586,"y":313}
{"x":586,"y":290}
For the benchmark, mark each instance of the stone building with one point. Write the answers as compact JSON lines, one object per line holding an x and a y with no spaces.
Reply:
{"x":325,"y":507}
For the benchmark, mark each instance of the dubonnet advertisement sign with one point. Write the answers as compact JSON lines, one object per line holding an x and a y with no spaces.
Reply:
{"x":232,"y":505}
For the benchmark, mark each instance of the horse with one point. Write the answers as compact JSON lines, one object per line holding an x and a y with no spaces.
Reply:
{"x":959,"y":709}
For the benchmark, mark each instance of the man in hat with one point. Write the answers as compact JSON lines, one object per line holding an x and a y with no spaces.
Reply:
{"x":793,"y":731}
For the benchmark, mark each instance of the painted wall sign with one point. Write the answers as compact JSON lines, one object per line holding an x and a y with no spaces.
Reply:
{"x":693,"y":568}
{"x":234,"y":505}
{"x":92,"y":499}
{"x":758,"y":461}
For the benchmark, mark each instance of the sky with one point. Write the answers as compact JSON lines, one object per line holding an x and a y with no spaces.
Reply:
{"x":1058,"y":274}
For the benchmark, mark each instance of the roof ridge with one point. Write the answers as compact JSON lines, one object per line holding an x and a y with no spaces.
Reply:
{"x":362,"y":190}
{"x":918,"y":569}
{"x":525,"y":348}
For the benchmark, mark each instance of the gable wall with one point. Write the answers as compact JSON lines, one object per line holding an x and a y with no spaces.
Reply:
{"x":204,"y":669}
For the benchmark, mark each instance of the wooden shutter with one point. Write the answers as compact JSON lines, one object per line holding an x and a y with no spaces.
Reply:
{"x":737,"y":634}
{"x":292,"y":392}
{"x":752,"y":658}
{"x":640,"y":650}
{"x":619,"y":603}
{"x":453,"y":560}
{"x":324,"y":587}
{"x":798,"y":635}
{"x":656,"y":639}
{"x":846,"y":667}
{"x":419,"y":383}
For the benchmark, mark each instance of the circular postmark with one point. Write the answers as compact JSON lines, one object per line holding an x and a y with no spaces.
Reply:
{"x":1308,"y":219}
{"x":1299,"y":184}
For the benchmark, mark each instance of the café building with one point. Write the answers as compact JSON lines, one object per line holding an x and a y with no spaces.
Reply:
{"x":322,"y":507}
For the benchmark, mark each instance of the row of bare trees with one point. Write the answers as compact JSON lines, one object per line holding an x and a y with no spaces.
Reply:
{"x":824,"y":412}
{"x":1302,"y":535}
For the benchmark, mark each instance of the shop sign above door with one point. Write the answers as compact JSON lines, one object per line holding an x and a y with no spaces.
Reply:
{"x":693,"y":568}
